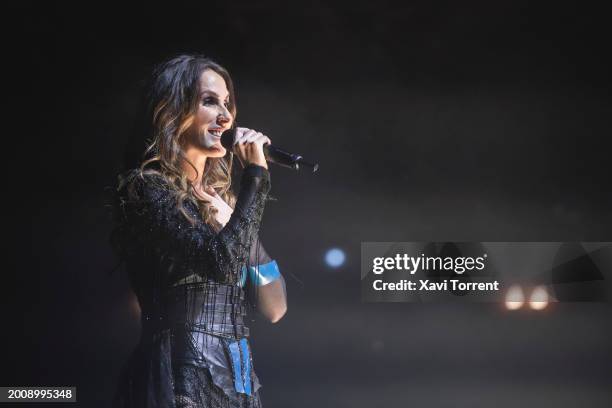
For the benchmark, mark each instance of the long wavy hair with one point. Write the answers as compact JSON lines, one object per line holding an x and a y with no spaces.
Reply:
{"x":173,"y":100}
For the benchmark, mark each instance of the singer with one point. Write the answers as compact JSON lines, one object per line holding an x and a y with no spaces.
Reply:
{"x":191,"y":247}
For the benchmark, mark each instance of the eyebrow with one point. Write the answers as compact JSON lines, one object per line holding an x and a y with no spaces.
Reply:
{"x":206,"y":91}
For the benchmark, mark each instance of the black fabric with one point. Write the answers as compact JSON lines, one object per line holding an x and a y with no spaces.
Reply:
{"x":195,"y":389}
{"x":258,"y":255}
{"x":186,"y":276}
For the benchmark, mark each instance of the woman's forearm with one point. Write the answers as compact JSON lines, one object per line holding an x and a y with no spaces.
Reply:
{"x":272,"y":300}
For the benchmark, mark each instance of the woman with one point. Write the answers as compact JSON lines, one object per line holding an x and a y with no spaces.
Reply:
{"x":191,"y":247}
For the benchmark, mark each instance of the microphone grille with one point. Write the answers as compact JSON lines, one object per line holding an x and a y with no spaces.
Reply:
{"x":228,"y":137}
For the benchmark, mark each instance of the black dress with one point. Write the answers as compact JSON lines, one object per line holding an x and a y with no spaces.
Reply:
{"x":189,"y":280}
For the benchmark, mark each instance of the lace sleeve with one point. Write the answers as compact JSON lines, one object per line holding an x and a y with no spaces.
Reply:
{"x":231,"y":246}
{"x":258,"y":254}
{"x":197,"y":248}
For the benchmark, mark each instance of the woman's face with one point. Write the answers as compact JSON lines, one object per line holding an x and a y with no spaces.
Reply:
{"x":212,"y":116}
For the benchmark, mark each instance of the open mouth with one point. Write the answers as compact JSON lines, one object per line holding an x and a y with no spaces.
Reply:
{"x":215,"y":132}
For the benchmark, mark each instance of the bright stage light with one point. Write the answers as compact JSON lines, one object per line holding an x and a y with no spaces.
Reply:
{"x":514,"y":298}
{"x":335,"y":257}
{"x":539,"y":298}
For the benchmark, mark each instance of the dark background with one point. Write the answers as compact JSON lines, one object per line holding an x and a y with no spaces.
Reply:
{"x":474,"y":121}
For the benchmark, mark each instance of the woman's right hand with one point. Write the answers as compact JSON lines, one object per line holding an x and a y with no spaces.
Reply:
{"x":248,"y":146}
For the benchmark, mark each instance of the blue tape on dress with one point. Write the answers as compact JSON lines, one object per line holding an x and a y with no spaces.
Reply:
{"x":235,"y":355}
{"x":243,"y":276}
{"x":264,"y":274}
{"x":246,"y":360}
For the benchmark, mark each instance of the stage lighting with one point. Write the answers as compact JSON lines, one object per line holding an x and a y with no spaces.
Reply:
{"x":539,"y":298}
{"x":335,"y":257}
{"x":514,"y":298}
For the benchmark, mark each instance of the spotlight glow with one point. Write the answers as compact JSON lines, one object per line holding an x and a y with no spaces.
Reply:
{"x":514,"y":298}
{"x":539,"y":298}
{"x":335,"y":257}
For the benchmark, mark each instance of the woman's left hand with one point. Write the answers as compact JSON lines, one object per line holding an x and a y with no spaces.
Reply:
{"x":223,"y":211}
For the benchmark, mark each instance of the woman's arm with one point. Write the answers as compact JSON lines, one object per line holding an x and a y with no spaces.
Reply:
{"x":266,"y":284}
{"x":230,"y":247}
{"x":272,"y":300}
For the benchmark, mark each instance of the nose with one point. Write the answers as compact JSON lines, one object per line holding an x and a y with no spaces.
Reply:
{"x":224,"y":116}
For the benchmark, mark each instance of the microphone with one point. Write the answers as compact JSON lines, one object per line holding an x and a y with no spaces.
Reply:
{"x":273,"y":154}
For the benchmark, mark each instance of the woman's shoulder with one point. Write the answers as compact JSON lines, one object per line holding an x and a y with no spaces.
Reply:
{"x":143,"y":176}
{"x":138,"y":184}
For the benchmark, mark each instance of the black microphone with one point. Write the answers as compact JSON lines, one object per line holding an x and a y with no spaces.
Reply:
{"x":273,"y":154}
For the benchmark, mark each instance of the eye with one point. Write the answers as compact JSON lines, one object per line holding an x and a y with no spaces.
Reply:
{"x":209,"y":101}
{"x":227,"y":104}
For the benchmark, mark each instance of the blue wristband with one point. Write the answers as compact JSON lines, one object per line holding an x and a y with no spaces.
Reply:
{"x":261,"y":275}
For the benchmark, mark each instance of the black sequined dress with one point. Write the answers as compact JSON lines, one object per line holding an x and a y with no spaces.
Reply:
{"x":193,"y":350}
